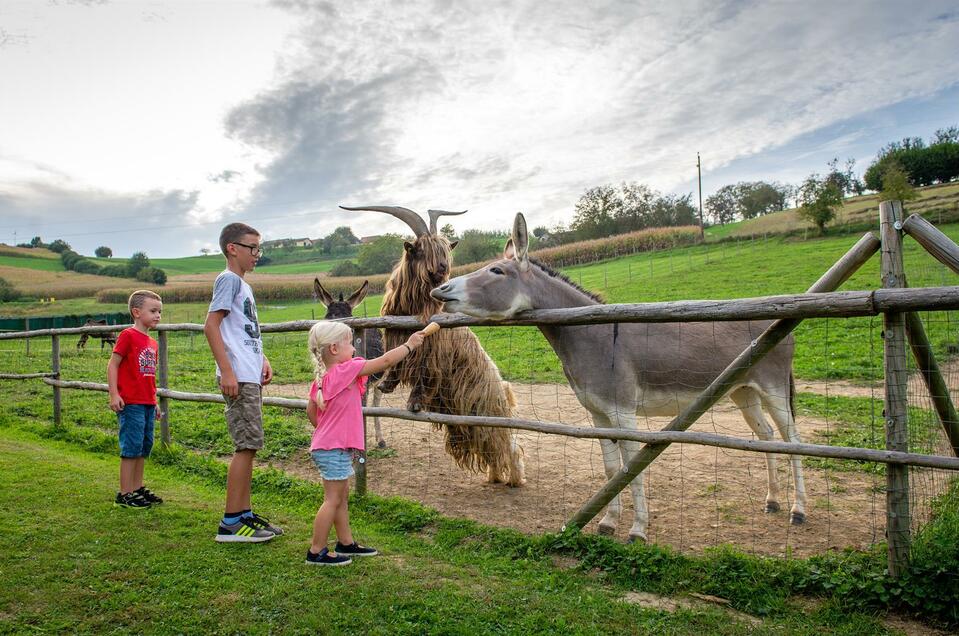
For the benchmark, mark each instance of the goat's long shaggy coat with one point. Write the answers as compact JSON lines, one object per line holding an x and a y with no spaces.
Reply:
{"x":451,"y":373}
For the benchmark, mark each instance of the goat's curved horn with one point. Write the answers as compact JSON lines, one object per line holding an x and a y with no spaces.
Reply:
{"x":435,"y":214}
{"x":411,"y":218}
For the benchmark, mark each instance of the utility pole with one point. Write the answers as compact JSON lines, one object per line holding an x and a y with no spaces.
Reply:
{"x":699,"y":171}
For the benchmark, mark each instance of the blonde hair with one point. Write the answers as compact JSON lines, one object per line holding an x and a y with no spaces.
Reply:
{"x":323,"y":333}
{"x":136,"y":299}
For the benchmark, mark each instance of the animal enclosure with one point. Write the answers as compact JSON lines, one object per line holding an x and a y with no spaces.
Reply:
{"x":699,"y":495}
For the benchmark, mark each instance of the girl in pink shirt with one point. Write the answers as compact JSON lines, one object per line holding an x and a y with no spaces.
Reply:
{"x":336,"y":412}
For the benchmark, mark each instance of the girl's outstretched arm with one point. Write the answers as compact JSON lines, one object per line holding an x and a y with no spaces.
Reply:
{"x":393,"y":356}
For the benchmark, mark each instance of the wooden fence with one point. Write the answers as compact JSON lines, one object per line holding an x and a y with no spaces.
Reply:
{"x":895,"y":301}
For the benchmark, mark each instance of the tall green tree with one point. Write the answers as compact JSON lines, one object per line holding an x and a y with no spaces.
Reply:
{"x":138,"y":261}
{"x":819,"y":197}
{"x":595,"y":212}
{"x":722,"y":206}
{"x":895,"y":184}
{"x":103,"y":252}
{"x":379,"y":256}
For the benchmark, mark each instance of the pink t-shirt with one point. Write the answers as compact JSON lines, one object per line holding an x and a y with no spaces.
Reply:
{"x":340,"y":424}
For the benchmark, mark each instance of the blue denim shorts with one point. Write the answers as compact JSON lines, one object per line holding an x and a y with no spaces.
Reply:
{"x":136,"y":429}
{"x":335,"y":464}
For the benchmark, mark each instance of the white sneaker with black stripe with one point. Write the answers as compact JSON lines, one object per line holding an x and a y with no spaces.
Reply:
{"x":243,"y":531}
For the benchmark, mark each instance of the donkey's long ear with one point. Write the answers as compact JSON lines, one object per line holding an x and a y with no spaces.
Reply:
{"x":358,"y":295}
{"x":321,"y":293}
{"x":520,"y":242}
{"x":509,"y":252}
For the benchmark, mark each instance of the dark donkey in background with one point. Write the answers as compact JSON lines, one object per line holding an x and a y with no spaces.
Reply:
{"x":622,"y":370}
{"x":368,"y":342}
{"x":105,"y":338}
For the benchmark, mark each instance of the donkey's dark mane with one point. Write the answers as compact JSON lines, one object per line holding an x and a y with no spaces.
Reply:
{"x":552,"y":272}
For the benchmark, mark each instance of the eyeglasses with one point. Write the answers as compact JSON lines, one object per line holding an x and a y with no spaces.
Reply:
{"x":255,"y":250}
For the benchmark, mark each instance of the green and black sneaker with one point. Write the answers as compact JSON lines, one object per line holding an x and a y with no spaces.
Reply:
{"x":150,"y":496}
{"x":131,"y":500}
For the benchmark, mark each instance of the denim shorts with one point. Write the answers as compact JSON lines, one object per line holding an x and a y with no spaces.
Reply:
{"x":335,"y":464}
{"x":136,"y":429}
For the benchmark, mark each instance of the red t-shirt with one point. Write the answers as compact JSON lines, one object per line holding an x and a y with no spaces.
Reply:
{"x":136,"y":377}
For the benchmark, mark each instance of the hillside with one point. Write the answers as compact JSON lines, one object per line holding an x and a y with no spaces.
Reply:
{"x":938,"y":203}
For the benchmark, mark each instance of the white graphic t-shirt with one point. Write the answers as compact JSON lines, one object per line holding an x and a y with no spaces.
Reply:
{"x":240,"y":329}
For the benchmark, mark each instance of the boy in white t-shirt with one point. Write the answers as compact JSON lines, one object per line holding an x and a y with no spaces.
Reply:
{"x":233,"y":332}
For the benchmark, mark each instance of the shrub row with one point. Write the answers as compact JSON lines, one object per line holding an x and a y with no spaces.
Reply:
{"x":138,"y":268}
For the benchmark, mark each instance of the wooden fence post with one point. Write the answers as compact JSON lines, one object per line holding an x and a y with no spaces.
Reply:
{"x":896,"y":382}
{"x":26,"y":327}
{"x":163,"y":380}
{"x":55,"y":368}
{"x":359,"y":484}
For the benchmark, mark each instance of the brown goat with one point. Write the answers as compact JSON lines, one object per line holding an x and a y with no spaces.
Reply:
{"x":105,"y":338}
{"x":451,"y":373}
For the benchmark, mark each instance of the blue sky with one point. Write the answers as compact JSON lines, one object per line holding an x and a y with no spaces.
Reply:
{"x":146,"y":125}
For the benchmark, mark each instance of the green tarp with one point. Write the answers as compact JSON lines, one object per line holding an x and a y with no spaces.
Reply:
{"x":60,"y":322}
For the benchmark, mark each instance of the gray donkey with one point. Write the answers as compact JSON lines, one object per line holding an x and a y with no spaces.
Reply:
{"x":368,"y":342}
{"x":619,"y":371}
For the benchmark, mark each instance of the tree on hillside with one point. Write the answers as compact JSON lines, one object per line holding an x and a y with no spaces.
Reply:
{"x":845,"y":178}
{"x":595,"y":211}
{"x":339,"y":239}
{"x":205,"y":251}
{"x":819,"y":199}
{"x":103,"y":252}
{"x":757,"y":198}
{"x":722,"y":206}
{"x":947,"y":135}
{"x":59,"y":246}
{"x":448,"y":232}
{"x":36,"y":241}
{"x":636,"y":211}
{"x":137,"y":262}
{"x":895,"y":184}
{"x":379,"y":256}
{"x":477,"y":246}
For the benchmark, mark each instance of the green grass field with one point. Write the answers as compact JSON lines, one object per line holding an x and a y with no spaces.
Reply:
{"x":29,"y":262}
{"x":159,"y":571}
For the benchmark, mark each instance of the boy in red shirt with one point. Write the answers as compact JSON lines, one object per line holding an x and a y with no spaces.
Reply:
{"x":131,"y":375}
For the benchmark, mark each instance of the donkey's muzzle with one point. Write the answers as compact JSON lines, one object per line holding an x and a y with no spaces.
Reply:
{"x":443,"y":292}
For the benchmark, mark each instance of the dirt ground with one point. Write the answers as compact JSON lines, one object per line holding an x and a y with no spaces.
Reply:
{"x":698,"y":496}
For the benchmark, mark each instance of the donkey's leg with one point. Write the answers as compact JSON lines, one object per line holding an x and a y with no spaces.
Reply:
{"x":628,"y":449}
{"x":377,"y":396}
{"x":780,"y":410}
{"x":611,"y":464}
{"x":750,"y":403}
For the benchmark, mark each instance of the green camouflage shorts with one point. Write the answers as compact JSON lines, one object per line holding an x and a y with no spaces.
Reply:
{"x":244,"y":417}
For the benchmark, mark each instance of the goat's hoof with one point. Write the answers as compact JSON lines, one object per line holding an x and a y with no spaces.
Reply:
{"x":381,"y":444}
{"x":797,"y":518}
{"x":606,"y":529}
{"x":772,"y":506}
{"x":636,"y":538}
{"x":516,"y":484}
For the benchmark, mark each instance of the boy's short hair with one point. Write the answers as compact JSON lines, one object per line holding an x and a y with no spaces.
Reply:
{"x":234,"y":232}
{"x":140,"y":295}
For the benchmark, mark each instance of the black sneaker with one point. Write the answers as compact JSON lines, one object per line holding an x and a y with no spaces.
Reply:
{"x":150,"y":496}
{"x":355,"y":550}
{"x":264,"y":524}
{"x":242,"y":532}
{"x":325,"y":558}
{"x":131,"y":500}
